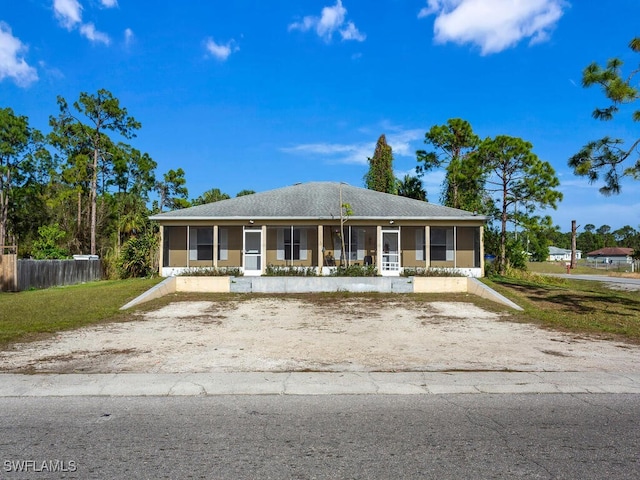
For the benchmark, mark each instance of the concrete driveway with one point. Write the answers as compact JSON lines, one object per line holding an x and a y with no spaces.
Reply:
{"x":280,"y":334}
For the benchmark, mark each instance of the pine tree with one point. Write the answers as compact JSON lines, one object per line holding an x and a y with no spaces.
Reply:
{"x":380,"y":176}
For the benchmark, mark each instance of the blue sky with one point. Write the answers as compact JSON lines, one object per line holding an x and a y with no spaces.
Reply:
{"x":262,"y":94}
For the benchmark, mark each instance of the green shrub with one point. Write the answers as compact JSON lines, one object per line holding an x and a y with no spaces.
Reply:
{"x":290,"y":271}
{"x":355,"y":271}
{"x":211,"y":272}
{"x":432,"y":272}
{"x":46,"y":246}
{"x":137,"y":256}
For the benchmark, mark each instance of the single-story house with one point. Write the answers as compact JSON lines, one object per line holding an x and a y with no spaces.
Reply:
{"x":562,"y":254}
{"x":300,"y":226}
{"x":612,"y":255}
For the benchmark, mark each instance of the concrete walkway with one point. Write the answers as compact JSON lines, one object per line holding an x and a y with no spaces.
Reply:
{"x":303,"y":383}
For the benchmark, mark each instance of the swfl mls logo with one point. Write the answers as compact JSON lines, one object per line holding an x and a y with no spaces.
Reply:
{"x":25,"y":466}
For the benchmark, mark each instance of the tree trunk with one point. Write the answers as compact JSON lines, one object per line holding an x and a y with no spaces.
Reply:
{"x":503,"y":234}
{"x":94,"y":200}
{"x":79,"y":219}
{"x":4,"y":206}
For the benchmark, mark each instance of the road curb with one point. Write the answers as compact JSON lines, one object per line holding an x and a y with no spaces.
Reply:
{"x":315,"y":383}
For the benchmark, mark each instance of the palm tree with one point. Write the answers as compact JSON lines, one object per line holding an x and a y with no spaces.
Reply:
{"x":411,"y":187}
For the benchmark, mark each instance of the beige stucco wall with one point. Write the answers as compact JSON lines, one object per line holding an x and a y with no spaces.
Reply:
{"x":203,"y":284}
{"x":440,"y":284}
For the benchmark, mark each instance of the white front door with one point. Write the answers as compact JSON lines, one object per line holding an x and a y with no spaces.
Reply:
{"x":390,"y":252}
{"x":253,"y":252}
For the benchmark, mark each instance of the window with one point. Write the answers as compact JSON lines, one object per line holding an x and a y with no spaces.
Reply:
{"x":200,"y":243}
{"x":292,"y":243}
{"x":442,"y":244}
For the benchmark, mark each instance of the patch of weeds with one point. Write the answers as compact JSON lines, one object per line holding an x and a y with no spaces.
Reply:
{"x":432,"y":272}
{"x":211,"y":272}
{"x":355,"y":271}
{"x":290,"y":271}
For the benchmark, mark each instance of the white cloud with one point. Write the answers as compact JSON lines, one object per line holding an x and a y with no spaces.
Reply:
{"x":69,"y":12}
{"x":12,"y":64}
{"x":128,"y":36}
{"x":90,"y":32}
{"x":358,"y":153}
{"x":400,"y":141}
{"x":221,"y":51}
{"x":350,"y":32}
{"x":493,"y":25}
{"x":355,"y":153}
{"x":330,"y":21}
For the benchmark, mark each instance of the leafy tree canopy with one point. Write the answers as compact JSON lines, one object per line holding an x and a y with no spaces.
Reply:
{"x":610,"y":159}
{"x":453,"y":147}
{"x":411,"y":187}
{"x":210,"y":196}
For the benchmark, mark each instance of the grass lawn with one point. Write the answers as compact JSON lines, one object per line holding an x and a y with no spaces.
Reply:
{"x":573,"y":305}
{"x":28,"y":315}
{"x":581,"y":268}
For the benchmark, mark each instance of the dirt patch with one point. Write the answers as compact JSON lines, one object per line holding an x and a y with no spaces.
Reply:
{"x":279,"y":334}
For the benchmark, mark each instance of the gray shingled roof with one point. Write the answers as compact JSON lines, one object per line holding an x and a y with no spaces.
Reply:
{"x":318,"y":200}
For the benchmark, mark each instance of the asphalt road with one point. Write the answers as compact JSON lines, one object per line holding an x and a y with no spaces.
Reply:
{"x":548,"y":436}
{"x":618,"y":282}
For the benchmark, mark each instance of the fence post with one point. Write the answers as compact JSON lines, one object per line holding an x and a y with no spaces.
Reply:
{"x":8,"y":268}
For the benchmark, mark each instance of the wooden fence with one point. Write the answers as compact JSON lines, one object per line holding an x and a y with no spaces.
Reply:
{"x":8,"y":269}
{"x":51,"y":273}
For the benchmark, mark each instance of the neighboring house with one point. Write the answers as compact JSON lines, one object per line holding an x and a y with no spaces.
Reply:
{"x":562,"y":254}
{"x":612,"y":255}
{"x":299,"y":226}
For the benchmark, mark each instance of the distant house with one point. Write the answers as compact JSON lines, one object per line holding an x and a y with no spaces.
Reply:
{"x":562,"y":254}
{"x":612,"y":255}
{"x":300,"y":226}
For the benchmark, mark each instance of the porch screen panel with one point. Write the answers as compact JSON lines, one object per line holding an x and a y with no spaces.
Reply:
{"x":441,"y":247}
{"x":360,"y":243}
{"x":223,"y":244}
{"x":292,"y":243}
{"x":420,"y":244}
{"x":201,"y":243}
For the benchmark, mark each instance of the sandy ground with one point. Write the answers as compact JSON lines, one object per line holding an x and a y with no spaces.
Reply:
{"x":276,"y":334}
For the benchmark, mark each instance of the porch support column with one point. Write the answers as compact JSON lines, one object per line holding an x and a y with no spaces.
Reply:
{"x":481,"y":250}
{"x":263,"y":250}
{"x":215,"y":246}
{"x":188,"y":244}
{"x":320,"y":247}
{"x":379,"y":248}
{"x":427,"y":246}
{"x":160,"y":256}
{"x":455,"y":247}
